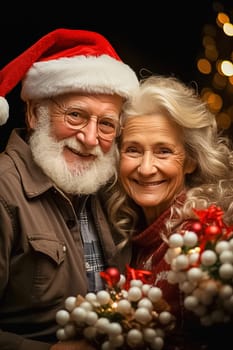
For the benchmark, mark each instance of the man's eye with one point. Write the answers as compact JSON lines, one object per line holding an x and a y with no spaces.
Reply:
{"x":131,"y":150}
{"x":108,"y":123}
{"x":75,"y":113}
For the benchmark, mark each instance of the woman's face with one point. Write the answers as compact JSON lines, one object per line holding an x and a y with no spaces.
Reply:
{"x":153,"y":162}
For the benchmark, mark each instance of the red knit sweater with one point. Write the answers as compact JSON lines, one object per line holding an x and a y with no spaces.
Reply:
{"x":148,"y":251}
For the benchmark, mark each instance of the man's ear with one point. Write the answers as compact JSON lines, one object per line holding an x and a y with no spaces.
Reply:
{"x":190,"y":165}
{"x":31,"y":116}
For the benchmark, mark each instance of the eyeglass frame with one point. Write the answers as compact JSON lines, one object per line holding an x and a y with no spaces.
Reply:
{"x":87,"y":117}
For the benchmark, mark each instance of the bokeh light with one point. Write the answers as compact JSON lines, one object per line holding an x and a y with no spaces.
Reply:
{"x":215,"y":64}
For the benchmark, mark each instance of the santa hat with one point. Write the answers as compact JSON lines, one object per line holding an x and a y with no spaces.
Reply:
{"x":66,"y":60}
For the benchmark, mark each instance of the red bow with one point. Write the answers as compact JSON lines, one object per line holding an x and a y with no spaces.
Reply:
{"x":134,"y":274}
{"x":213,"y":226}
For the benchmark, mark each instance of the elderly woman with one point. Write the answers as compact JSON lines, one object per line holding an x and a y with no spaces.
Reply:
{"x":169,"y":146}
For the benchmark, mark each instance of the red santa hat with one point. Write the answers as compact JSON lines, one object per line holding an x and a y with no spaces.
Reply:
{"x":66,"y":60}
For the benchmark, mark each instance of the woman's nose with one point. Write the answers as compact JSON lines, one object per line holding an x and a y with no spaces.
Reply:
{"x":147,"y":165}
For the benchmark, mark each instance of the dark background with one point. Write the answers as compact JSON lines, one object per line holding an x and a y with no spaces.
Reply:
{"x":159,"y":36}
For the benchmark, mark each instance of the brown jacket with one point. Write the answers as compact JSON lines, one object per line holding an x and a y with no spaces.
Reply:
{"x":41,"y":255}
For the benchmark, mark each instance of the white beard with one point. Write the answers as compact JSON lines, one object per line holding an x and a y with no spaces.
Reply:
{"x":81,"y":178}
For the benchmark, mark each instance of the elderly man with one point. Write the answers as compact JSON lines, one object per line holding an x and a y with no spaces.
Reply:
{"x":54,"y":236}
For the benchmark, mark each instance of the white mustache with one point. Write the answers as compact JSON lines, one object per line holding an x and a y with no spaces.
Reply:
{"x":77,"y":147}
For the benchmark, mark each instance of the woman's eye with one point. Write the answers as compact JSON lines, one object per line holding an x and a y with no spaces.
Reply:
{"x":131,"y":152}
{"x":165,"y":150}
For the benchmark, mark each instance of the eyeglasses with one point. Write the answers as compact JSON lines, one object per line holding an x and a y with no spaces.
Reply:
{"x":76,"y":118}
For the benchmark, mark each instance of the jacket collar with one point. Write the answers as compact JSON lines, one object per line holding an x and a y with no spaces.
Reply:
{"x":34,"y":181}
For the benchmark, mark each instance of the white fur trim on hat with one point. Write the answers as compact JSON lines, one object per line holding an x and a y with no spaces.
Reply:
{"x":4,"y":110}
{"x":102,"y":74}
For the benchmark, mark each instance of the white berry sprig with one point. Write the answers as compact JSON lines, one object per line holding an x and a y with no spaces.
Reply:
{"x":201,"y":260}
{"x":128,"y":314}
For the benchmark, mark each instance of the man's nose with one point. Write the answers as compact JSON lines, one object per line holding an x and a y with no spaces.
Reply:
{"x":88,"y":135}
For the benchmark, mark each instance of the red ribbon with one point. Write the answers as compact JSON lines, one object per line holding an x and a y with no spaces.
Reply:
{"x":134,"y":274}
{"x":111,"y":280}
{"x":212,"y":217}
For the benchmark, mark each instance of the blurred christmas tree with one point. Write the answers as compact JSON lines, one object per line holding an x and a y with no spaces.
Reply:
{"x":215,"y":65}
